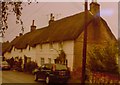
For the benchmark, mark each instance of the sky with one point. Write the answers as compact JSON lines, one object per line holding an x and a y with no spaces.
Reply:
{"x":40,"y":12}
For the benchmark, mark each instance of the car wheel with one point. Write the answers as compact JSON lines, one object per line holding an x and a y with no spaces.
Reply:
{"x":36,"y":77}
{"x":47,"y":80}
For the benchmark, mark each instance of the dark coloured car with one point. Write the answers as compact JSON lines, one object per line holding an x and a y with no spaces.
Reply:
{"x":52,"y":73}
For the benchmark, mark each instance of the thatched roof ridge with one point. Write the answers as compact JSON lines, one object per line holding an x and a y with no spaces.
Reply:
{"x":108,"y":30}
{"x":5,"y":47}
{"x":64,"y":29}
{"x":68,"y":28}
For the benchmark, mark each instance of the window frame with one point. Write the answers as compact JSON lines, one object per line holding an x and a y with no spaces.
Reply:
{"x":42,"y":61}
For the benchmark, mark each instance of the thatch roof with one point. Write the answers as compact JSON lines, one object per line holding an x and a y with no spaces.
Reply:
{"x":5,"y":46}
{"x":68,"y":28}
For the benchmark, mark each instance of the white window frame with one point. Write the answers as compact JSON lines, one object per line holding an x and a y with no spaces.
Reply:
{"x":49,"y":60}
{"x":41,"y":47}
{"x":60,"y":45}
{"x":42,"y":61}
{"x":51,"y":46}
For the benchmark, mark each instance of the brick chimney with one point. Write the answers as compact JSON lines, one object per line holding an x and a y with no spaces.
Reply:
{"x":51,"y":18}
{"x":33,"y":27}
{"x":95,"y":8}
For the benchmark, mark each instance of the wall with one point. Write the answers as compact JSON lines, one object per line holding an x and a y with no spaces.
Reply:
{"x":7,"y":55}
{"x":29,"y":52}
{"x":78,"y":52}
{"x":14,"y":53}
{"x":36,"y":53}
{"x":68,"y":47}
{"x":97,"y":35}
{"x":46,"y":52}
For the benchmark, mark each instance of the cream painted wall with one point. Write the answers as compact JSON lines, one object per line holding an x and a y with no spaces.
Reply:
{"x":36,"y":53}
{"x":29,"y":52}
{"x":7,"y":55}
{"x":46,"y":52}
{"x":68,"y":47}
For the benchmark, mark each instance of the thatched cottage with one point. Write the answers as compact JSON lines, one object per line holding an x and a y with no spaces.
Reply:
{"x":62,"y":37}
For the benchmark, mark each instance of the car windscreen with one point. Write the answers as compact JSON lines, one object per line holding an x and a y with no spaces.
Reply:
{"x":60,"y":67}
{"x":46,"y":66}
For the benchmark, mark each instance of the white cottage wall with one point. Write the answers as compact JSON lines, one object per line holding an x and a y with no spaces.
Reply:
{"x":29,"y":52}
{"x":47,"y":52}
{"x":7,"y":55}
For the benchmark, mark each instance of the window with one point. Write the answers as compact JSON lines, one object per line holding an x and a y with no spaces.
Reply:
{"x":21,"y":50}
{"x":40,"y":47}
{"x":49,"y":60}
{"x":51,"y":45}
{"x":14,"y":49}
{"x":29,"y":47}
{"x":60,"y":45}
{"x":28,"y":59}
{"x":42,"y":61}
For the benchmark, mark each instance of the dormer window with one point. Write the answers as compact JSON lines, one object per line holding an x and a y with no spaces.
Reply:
{"x":49,"y":60}
{"x":29,"y":47}
{"x":51,"y":45}
{"x":42,"y":61}
{"x":41,"y":47}
{"x":21,"y":50}
{"x":60,"y":45}
{"x":14,"y":49}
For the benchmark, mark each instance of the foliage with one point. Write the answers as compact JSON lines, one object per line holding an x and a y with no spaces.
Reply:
{"x":8,"y":7}
{"x":104,"y":59}
{"x":30,"y":66}
{"x":11,"y":62}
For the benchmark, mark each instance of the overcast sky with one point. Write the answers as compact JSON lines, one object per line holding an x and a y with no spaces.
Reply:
{"x":40,"y":13}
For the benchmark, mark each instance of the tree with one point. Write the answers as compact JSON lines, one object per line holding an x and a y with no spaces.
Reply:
{"x":8,"y":7}
{"x":104,"y":59}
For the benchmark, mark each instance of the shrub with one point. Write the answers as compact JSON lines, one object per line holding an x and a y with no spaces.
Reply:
{"x":104,"y":59}
{"x":30,"y":66}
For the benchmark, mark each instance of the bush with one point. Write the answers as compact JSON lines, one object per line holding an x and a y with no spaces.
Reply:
{"x":104,"y":59}
{"x":30,"y":66}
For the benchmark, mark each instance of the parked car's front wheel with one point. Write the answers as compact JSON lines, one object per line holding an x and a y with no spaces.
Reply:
{"x":47,"y":80}
{"x":36,"y":77}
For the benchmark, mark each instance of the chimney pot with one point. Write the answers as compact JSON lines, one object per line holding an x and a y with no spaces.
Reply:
{"x":20,"y":34}
{"x":51,"y":18}
{"x":33,"y":22}
{"x":33,"y":27}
